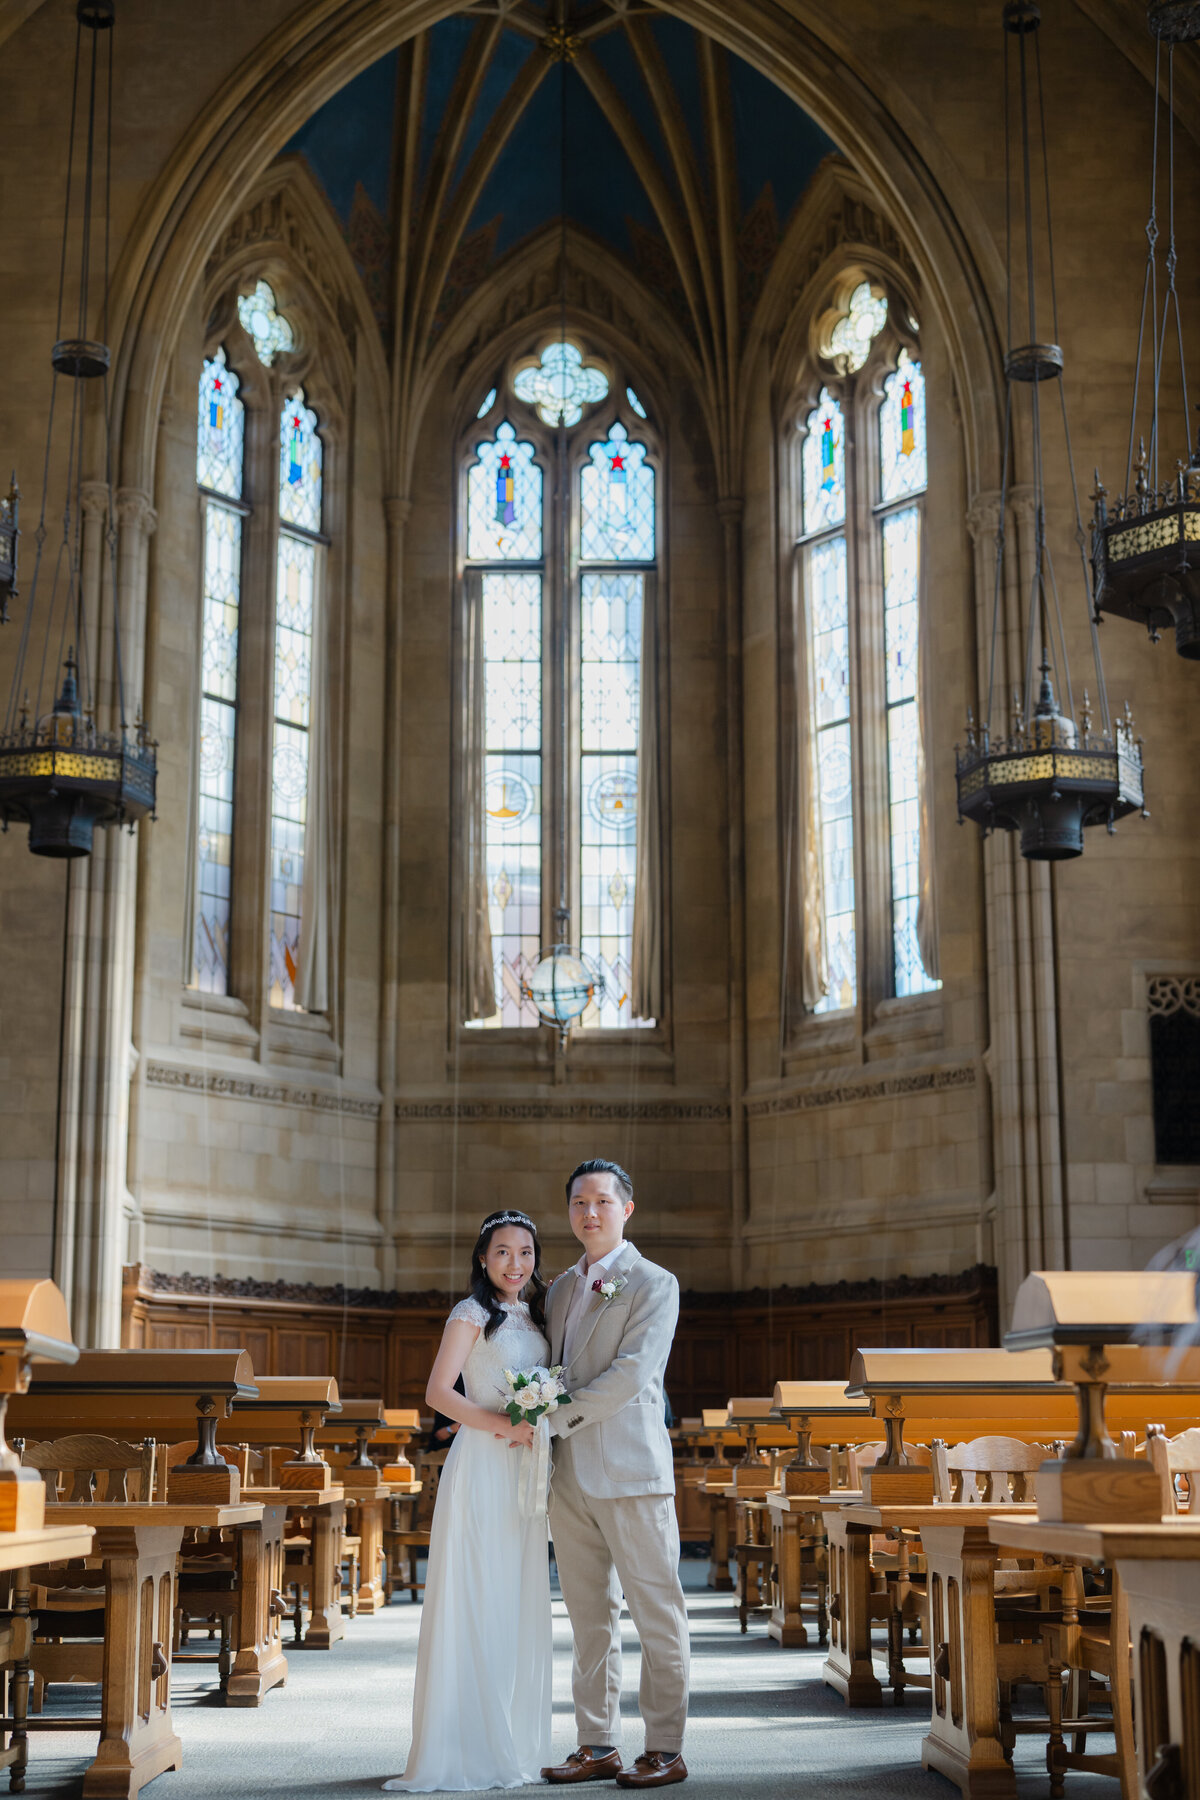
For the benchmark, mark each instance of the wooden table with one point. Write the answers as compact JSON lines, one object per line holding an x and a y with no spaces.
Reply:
{"x":369,"y":1495}
{"x":719,"y":1494}
{"x":139,"y":1545}
{"x":1156,"y":1577}
{"x":797,"y":1524}
{"x":19,"y":1551}
{"x":849,"y":1667}
{"x":327,"y":1623}
{"x":961,"y":1556}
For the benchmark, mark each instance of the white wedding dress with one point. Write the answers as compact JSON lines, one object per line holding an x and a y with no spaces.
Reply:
{"x":481,"y":1708}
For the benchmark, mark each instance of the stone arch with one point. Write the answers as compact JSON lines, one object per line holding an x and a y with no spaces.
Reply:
{"x":316,"y":51}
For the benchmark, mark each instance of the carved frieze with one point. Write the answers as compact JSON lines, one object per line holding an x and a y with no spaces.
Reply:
{"x":851,"y":1092}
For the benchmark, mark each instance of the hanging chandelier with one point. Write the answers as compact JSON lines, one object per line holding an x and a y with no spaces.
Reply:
{"x":1146,"y":541}
{"x":61,"y":772}
{"x":564,"y":982}
{"x":1050,"y":773}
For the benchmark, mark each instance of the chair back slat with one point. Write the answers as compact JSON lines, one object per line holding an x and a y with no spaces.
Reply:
{"x":992,"y":1471}
{"x":1177,"y":1461}
{"x":92,"y":1467}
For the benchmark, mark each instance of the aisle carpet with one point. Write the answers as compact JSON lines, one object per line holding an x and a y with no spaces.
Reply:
{"x":762,"y":1724}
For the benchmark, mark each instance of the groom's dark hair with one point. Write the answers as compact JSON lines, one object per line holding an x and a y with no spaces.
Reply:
{"x":597,"y":1165}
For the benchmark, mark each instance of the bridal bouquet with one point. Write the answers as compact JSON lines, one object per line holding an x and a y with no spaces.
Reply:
{"x":535,"y":1393}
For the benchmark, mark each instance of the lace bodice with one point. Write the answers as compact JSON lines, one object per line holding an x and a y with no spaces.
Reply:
{"x":516,"y":1344}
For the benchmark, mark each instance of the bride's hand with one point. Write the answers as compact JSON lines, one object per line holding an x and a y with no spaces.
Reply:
{"x":520,"y":1437}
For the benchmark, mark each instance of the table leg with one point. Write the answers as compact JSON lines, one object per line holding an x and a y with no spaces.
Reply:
{"x":964,"y":1735}
{"x":718,"y":1569}
{"x":259,"y":1663}
{"x":137,"y":1738}
{"x":786,"y":1625}
{"x":327,"y":1623}
{"x":370,"y":1530}
{"x":849,"y":1668}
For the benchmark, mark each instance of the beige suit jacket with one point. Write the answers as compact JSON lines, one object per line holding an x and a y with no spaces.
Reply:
{"x":614,"y":1422}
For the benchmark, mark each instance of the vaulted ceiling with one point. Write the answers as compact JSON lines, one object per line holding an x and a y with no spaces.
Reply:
{"x":451,"y":152}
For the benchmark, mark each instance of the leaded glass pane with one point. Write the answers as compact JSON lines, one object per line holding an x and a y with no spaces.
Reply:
{"x":299,"y":465}
{"x":220,"y":429}
{"x":294,"y":601}
{"x":560,"y":385}
{"x":901,"y":571}
{"x":617,"y":495}
{"x":902,"y":461}
{"x":512,"y":639}
{"x":504,"y":501}
{"x":636,"y":404}
{"x":610,"y":667}
{"x":828,"y":608}
{"x":854,"y":334}
{"x":824,"y":465}
{"x":264,"y":324}
{"x":218,"y":735}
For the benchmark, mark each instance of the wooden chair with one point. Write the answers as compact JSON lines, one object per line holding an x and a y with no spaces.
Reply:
{"x":1177,"y":1461}
{"x":408,"y":1530}
{"x":993,"y":1471}
{"x":68,"y":1600}
{"x":753,"y":1555}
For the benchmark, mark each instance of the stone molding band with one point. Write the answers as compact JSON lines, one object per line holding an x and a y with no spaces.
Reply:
{"x":222,"y":1086}
{"x":519,"y":1112}
{"x":847,"y":1093}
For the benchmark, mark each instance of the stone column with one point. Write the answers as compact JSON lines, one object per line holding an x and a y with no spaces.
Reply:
{"x":397,"y":510}
{"x":97,"y":1052}
{"x":729,"y":511}
{"x":1022,"y":1055}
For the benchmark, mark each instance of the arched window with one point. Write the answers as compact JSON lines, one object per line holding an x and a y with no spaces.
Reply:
{"x":220,"y":443}
{"x":274,"y":440}
{"x":863,"y":472}
{"x":520,"y":601}
{"x":296,"y":587}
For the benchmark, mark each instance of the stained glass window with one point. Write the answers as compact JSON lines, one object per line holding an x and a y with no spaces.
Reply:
{"x":560,"y":385}
{"x":617,"y":496}
{"x":829,"y":639}
{"x":266,"y":327}
{"x":294,"y":618}
{"x":220,"y":426}
{"x":512,"y":648}
{"x":636,"y":404}
{"x":504,"y":501}
{"x":824,"y":465}
{"x":299,"y":465}
{"x":489,"y":400}
{"x":219,"y":450}
{"x":610,"y":660}
{"x":902,"y":431}
{"x":854,"y":333}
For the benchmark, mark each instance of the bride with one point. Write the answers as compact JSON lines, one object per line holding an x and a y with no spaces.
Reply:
{"x":481,"y":1707}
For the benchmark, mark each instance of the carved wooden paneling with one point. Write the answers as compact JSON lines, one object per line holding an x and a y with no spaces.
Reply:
{"x":726,"y":1344}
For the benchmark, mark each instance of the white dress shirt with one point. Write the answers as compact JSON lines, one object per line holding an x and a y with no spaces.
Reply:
{"x":577,"y":1305}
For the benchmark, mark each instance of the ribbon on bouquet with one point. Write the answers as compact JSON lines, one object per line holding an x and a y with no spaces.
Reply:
{"x":534,"y":1482}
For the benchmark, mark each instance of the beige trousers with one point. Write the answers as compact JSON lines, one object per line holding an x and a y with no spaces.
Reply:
{"x":603,"y":1547}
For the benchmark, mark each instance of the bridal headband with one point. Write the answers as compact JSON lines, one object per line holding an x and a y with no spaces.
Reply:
{"x":509,"y":1218}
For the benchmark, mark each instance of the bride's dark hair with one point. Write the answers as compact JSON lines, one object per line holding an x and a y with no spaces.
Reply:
{"x":534,"y":1291}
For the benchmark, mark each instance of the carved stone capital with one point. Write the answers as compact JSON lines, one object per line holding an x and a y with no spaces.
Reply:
{"x":983,"y":514}
{"x":1023,"y":501}
{"x":730,"y":509}
{"x":93,"y":500}
{"x":135,"y":512}
{"x":397,"y":510}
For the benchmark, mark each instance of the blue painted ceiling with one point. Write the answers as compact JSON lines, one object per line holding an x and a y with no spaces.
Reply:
{"x":350,"y":146}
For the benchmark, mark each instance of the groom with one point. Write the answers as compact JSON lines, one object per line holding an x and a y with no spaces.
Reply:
{"x":610,"y":1320}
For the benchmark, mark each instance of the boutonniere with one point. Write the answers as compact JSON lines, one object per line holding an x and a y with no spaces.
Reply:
{"x":608,"y":1290}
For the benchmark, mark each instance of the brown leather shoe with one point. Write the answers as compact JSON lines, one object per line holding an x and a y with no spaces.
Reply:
{"x":582,"y":1765}
{"x":656,"y":1768}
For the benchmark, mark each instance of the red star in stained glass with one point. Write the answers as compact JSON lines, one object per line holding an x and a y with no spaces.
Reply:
{"x":296,"y":423}
{"x":217,"y":383}
{"x":618,"y":463}
{"x":506,"y":461}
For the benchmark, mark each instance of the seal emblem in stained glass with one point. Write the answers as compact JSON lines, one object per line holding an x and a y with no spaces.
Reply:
{"x":612,"y":799}
{"x":507,"y":799}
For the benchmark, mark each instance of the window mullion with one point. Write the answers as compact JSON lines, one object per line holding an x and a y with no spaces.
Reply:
{"x":871,"y":782}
